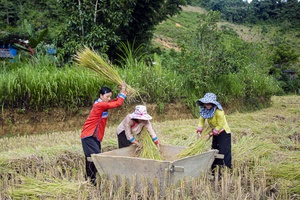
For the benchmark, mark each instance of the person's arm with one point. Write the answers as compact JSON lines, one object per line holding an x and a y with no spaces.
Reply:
{"x":200,"y":126}
{"x":151,"y":131}
{"x":220,"y":122}
{"x":123,"y":92}
{"x":120,"y":98}
{"x":127,"y":125}
{"x":118,"y":102}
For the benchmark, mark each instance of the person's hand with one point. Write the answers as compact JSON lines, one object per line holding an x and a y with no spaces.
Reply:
{"x":214,"y":132}
{"x":198,"y":135}
{"x":158,"y":147}
{"x":135,"y":142}
{"x":156,"y":142}
{"x":208,"y":137}
{"x":198,"y":131}
{"x":123,"y":87}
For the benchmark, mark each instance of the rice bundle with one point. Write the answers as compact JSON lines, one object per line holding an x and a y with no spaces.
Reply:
{"x":148,"y":149}
{"x":90,"y":59}
{"x":196,"y":148}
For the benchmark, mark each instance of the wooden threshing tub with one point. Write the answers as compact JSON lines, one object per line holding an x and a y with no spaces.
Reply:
{"x":140,"y":171}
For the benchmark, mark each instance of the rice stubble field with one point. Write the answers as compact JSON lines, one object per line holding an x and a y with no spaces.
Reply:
{"x":265,"y":149}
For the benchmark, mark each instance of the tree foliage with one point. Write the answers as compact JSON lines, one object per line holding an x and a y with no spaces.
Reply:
{"x":217,"y":60}
{"x":104,"y":24}
{"x":33,"y":21}
{"x":257,"y":11}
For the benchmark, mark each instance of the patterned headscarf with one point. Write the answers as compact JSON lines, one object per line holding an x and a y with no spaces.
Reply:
{"x":207,"y":114}
{"x":208,"y":98}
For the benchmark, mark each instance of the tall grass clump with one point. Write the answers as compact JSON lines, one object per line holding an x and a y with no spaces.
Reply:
{"x":38,"y":87}
{"x":259,"y":87}
{"x":155,"y":83}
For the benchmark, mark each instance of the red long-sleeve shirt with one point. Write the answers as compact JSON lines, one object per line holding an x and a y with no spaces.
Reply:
{"x":96,"y":121}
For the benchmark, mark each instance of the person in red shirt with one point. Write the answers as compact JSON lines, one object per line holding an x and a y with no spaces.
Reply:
{"x":94,"y":127}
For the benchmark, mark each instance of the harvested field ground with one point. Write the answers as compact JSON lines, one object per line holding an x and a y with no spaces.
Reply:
{"x":265,"y":148}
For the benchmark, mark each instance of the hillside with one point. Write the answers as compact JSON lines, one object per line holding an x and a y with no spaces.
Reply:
{"x":250,"y":33}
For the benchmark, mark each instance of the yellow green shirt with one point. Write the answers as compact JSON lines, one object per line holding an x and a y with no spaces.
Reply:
{"x":218,"y":122}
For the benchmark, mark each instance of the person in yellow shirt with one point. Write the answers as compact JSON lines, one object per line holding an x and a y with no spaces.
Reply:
{"x":212,"y":111}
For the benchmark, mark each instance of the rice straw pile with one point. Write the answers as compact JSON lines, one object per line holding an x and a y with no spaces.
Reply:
{"x":90,"y":59}
{"x":148,"y":149}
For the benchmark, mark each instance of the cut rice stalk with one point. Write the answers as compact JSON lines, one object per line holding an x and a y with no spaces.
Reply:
{"x":197,"y":147}
{"x":148,"y":149}
{"x":200,"y":146}
{"x":90,"y":59}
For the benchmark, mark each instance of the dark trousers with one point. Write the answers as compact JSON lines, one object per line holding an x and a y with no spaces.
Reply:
{"x":90,"y":145}
{"x":222,"y":142}
{"x":122,"y":140}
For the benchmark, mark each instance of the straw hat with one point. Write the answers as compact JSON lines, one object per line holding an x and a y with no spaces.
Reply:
{"x":209,"y":98}
{"x":140,"y":113}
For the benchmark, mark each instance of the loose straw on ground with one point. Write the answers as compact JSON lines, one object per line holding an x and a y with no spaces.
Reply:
{"x":90,"y":59}
{"x":148,"y":149}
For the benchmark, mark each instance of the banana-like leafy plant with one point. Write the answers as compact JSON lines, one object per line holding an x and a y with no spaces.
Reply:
{"x":35,"y":38}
